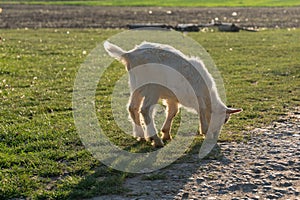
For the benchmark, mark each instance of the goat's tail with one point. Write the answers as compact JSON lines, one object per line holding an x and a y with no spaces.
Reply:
{"x":113,"y":50}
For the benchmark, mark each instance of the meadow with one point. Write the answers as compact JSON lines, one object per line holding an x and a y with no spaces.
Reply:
{"x":187,"y":3}
{"x":41,"y":155}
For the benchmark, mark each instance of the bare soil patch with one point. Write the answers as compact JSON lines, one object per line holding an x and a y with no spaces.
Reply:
{"x":49,"y":16}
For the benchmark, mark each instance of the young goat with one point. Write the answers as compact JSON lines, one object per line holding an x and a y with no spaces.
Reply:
{"x":163,"y":63}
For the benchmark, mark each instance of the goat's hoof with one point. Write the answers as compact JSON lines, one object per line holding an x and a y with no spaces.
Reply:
{"x":157,"y":142}
{"x":140,"y":139}
{"x":166,"y":137}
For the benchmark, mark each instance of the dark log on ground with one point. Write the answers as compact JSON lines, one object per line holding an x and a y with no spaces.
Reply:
{"x":225,"y":27}
{"x":187,"y":27}
{"x":179,"y":27}
{"x":228,"y":27}
{"x":148,"y":26}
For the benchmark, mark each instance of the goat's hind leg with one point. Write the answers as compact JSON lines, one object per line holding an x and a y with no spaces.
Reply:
{"x":171,"y":111}
{"x":134,"y":111}
{"x":147,"y":113}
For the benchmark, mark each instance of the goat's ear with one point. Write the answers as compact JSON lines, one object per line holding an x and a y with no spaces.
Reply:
{"x":233,"y":110}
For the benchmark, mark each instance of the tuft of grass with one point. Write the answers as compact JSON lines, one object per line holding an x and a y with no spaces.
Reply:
{"x":187,"y":3}
{"x":41,"y":155}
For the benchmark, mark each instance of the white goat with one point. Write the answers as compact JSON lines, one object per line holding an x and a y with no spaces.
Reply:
{"x":212,"y":111}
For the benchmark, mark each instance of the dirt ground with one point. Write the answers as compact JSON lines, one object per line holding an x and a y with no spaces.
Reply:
{"x":41,"y":16}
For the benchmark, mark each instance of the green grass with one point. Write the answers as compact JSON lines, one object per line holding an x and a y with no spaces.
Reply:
{"x":188,"y":3}
{"x":41,"y":155}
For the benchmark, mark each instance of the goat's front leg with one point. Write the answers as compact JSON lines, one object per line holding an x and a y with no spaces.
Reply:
{"x":171,"y":111}
{"x":134,"y":111}
{"x":147,"y":113}
{"x":205,"y":116}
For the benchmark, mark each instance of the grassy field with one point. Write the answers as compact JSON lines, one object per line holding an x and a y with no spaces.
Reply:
{"x":41,"y":155}
{"x":204,"y":3}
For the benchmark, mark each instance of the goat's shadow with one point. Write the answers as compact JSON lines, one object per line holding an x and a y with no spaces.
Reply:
{"x":173,"y":178}
{"x":106,"y":183}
